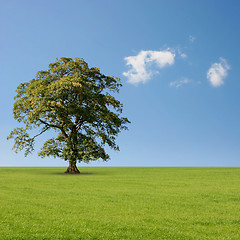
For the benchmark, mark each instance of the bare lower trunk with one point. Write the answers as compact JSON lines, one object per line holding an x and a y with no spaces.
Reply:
{"x":72,"y":168}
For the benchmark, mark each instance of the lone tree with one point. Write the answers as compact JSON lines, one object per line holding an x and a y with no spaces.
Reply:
{"x":75,"y":101}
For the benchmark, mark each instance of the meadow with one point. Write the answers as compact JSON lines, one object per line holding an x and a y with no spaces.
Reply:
{"x":120,"y":203}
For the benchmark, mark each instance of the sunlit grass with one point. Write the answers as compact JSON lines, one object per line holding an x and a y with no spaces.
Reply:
{"x":120,"y":203}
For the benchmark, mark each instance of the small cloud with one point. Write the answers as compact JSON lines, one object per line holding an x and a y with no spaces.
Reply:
{"x":142,"y":65}
{"x":218,"y":72}
{"x":179,"y":83}
{"x":191,"y":38}
{"x":181,"y":54}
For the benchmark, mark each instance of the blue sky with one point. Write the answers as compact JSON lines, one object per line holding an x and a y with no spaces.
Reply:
{"x":178,"y":62}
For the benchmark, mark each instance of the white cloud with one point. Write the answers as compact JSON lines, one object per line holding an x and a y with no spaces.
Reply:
{"x":192,"y":38}
{"x":179,"y":83}
{"x":218,"y":72}
{"x":142,"y":64}
{"x":181,"y":54}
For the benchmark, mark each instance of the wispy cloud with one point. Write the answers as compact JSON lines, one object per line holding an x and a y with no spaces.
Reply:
{"x":191,"y":38}
{"x":144,"y":65}
{"x":181,"y":54}
{"x":180,"y":83}
{"x":218,"y":72}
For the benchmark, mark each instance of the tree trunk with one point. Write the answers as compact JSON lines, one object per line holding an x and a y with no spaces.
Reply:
{"x":72,"y":168}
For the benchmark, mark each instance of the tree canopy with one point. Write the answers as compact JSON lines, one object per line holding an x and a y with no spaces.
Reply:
{"x":76,"y":102}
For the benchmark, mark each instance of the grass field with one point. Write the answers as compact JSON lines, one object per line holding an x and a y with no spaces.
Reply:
{"x":120,"y":203}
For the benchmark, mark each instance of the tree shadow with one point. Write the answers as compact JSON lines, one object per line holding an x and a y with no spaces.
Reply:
{"x":81,"y":173}
{"x":61,"y":172}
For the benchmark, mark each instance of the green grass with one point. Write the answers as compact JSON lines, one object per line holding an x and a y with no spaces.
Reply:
{"x":120,"y":203}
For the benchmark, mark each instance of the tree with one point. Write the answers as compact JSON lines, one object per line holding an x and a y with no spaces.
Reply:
{"x":75,"y":101}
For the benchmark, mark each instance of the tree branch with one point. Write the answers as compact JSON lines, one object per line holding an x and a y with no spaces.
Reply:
{"x":40,"y":133}
{"x":79,"y":124}
{"x":55,"y":126}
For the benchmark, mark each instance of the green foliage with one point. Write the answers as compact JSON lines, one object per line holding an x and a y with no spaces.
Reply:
{"x":76,"y":102}
{"x":130,"y":203}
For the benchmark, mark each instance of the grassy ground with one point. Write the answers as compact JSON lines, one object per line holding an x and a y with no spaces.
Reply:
{"x":120,"y":203}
